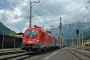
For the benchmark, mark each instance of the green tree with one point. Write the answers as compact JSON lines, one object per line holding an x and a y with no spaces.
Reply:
{"x":13,"y":34}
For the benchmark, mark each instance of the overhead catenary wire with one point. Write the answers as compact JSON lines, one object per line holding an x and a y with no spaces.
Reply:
{"x":39,"y":16}
{"x":27,"y":10}
{"x":79,"y":14}
{"x":21,"y":6}
{"x":7,"y":11}
{"x":76,"y":19}
{"x":45,"y":11}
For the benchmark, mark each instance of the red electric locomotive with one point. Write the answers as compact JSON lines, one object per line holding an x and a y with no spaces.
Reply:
{"x":35,"y":39}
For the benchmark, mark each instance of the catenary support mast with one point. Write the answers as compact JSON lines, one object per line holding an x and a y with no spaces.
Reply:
{"x":30,"y":24}
{"x":61,"y":42}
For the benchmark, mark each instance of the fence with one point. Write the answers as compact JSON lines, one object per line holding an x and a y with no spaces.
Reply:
{"x":9,"y":42}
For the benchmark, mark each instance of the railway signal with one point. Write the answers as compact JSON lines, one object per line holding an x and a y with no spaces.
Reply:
{"x":77,"y":31}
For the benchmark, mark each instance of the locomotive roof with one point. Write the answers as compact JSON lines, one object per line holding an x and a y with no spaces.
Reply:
{"x":36,"y":28}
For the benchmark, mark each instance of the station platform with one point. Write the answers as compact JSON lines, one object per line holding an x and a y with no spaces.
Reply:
{"x":61,"y":54}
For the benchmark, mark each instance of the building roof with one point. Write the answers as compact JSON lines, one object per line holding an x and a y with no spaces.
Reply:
{"x":19,"y":33}
{"x":87,"y":40}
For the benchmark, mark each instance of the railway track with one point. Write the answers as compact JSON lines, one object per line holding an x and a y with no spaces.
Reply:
{"x":78,"y":55}
{"x":8,"y":53}
{"x":87,"y":48}
{"x":22,"y":56}
{"x":19,"y":56}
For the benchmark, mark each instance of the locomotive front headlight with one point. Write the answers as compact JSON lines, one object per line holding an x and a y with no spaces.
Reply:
{"x":37,"y":41}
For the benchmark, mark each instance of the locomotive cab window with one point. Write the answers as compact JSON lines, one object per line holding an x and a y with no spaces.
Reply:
{"x":31,"y":33}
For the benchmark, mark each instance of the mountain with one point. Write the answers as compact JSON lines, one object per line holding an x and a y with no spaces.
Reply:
{"x":86,"y":36}
{"x":4,"y":30}
{"x":1,"y":32}
{"x":69,"y":30}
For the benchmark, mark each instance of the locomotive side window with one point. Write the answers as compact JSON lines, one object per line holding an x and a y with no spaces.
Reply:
{"x":31,"y":33}
{"x":42,"y":34}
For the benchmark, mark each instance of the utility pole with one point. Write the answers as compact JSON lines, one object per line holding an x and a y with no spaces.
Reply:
{"x":79,"y":40}
{"x":72,"y":42}
{"x":31,"y":11}
{"x":62,"y":39}
{"x":60,"y":32}
{"x":82,"y":42}
{"x":77,"y":32}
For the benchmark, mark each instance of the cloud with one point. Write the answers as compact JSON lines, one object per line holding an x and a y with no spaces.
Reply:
{"x":15,"y":13}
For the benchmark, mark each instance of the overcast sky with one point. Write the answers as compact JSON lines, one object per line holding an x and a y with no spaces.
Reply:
{"x":15,"y":13}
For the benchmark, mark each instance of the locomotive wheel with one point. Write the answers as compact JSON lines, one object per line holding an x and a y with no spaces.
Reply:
{"x":39,"y":51}
{"x":48,"y":49}
{"x":45,"y":49}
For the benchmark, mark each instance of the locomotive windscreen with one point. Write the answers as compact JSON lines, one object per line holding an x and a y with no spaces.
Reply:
{"x":31,"y":33}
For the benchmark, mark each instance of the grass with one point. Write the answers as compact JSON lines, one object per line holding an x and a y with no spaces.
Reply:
{"x":11,"y":50}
